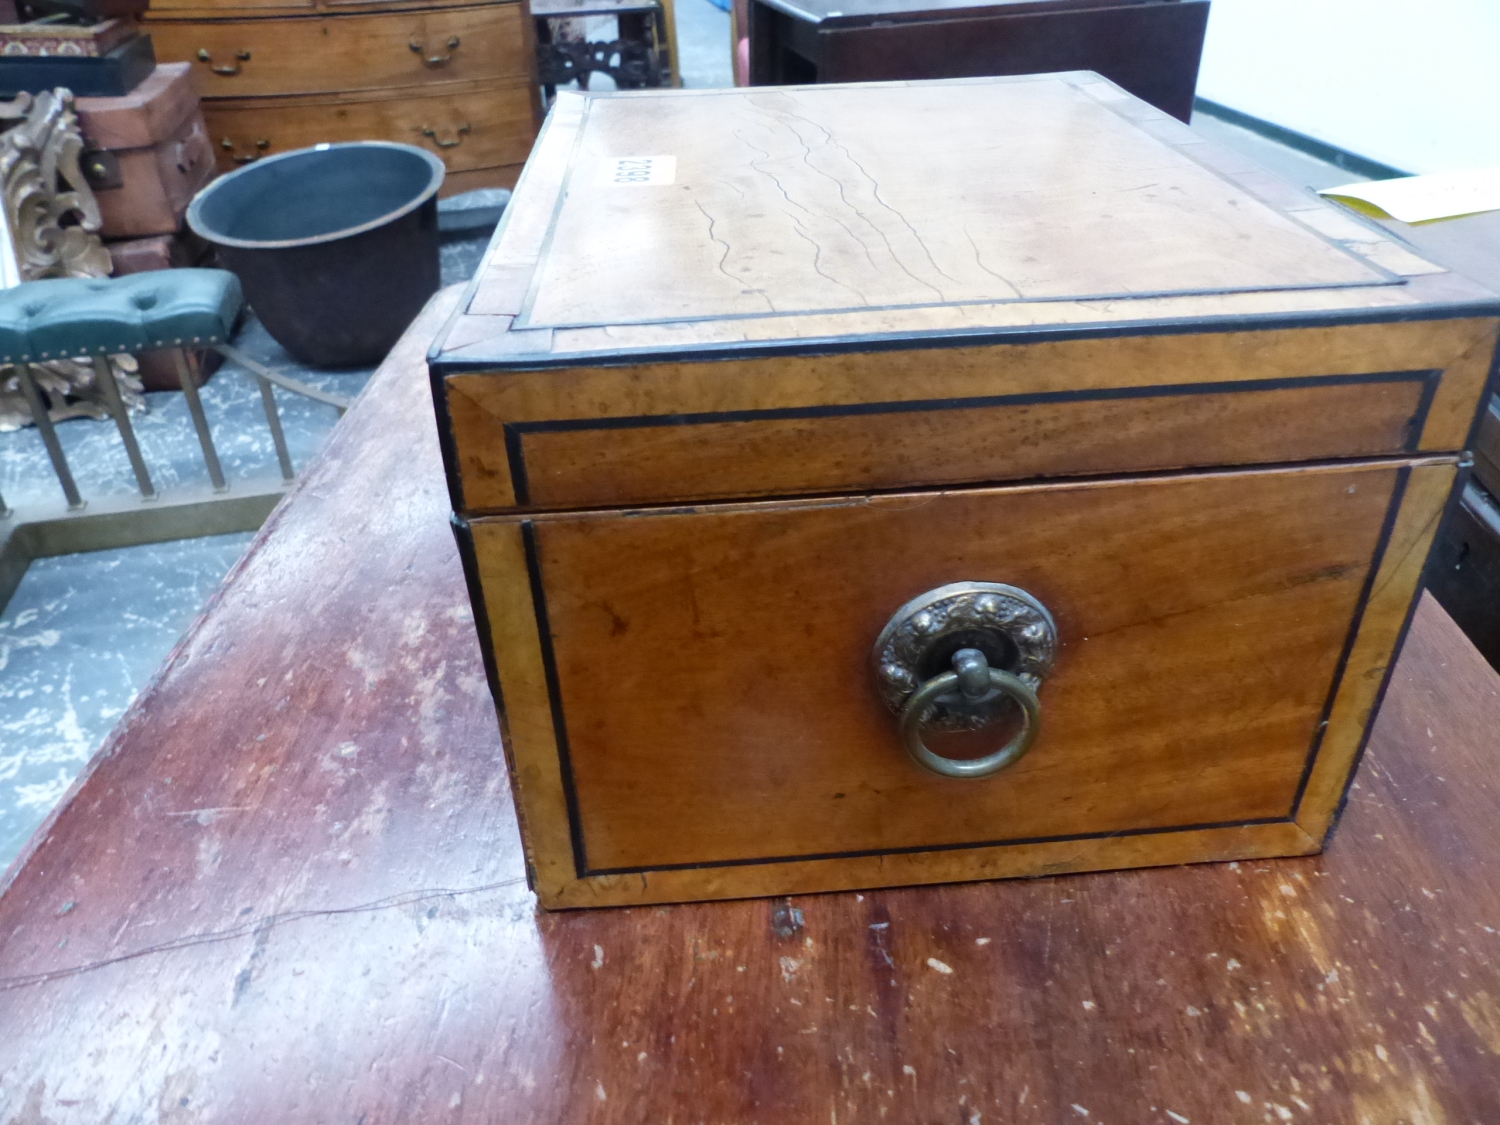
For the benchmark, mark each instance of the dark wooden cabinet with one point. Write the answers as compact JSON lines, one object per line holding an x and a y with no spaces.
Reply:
{"x":1465,"y":571}
{"x":1150,"y":47}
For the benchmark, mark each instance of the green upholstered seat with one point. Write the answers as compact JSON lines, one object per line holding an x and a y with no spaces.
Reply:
{"x":77,"y":316}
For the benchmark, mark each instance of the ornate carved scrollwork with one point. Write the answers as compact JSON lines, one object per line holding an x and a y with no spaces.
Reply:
{"x":632,"y":63}
{"x":70,"y":390}
{"x":51,"y":211}
{"x":51,"y":214}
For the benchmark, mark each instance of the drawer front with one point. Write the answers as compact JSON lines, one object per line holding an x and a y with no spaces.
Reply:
{"x":257,"y":57}
{"x":704,"y":677}
{"x":483,"y":127}
{"x":741,"y":428}
{"x":201,"y":10}
{"x":252,"y":9}
{"x":504,"y":175}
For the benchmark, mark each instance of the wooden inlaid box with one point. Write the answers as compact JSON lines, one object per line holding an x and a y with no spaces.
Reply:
{"x":906,"y":483}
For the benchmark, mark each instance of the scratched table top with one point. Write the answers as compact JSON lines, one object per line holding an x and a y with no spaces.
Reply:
{"x":290,"y":888}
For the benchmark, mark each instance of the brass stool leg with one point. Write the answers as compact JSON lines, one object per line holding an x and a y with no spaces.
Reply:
{"x":273,"y":419}
{"x":266,"y":377}
{"x":43,"y":422}
{"x":187,"y":372}
{"x":306,"y":390}
{"x":105,"y":376}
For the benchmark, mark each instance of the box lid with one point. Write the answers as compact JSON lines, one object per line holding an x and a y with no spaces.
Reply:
{"x":689,"y":222}
{"x":148,"y":114}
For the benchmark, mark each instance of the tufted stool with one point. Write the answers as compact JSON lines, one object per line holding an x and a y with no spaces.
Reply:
{"x":73,"y":318}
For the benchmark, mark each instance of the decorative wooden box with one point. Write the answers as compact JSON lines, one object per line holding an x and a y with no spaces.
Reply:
{"x":794,"y":433}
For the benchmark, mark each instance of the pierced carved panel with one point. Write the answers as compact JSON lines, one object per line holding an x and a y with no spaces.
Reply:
{"x":52,"y":217}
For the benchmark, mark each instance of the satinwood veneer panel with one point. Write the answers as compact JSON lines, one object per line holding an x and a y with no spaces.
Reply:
{"x":705,"y":672}
{"x":663,"y":432}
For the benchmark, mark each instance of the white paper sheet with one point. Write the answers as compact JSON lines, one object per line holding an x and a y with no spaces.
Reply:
{"x":1424,"y":199}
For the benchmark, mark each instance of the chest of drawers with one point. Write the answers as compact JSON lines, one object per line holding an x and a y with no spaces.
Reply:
{"x":906,"y":483}
{"x":454,"y":78}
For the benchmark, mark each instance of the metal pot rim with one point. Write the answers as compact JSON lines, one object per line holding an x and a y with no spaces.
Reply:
{"x":435,"y":165}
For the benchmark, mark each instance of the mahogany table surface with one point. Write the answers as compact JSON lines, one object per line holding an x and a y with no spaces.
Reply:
{"x":290,"y":889}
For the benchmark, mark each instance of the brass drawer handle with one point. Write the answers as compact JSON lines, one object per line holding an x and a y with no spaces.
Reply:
{"x":227,"y":71}
{"x":458,"y":136}
{"x":249,"y":158}
{"x":962,"y":657}
{"x":435,"y":60}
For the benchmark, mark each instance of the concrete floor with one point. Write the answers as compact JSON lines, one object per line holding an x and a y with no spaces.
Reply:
{"x":77,"y":641}
{"x":703,"y":41}
{"x":83,"y":633}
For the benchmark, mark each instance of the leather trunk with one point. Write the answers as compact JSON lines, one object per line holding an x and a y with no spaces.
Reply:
{"x":149,"y":153}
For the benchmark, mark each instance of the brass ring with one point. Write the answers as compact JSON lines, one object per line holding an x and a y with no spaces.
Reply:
{"x":1007,"y":755}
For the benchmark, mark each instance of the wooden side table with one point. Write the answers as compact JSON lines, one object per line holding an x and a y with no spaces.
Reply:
{"x":1150,"y":48}
{"x":642,"y":54}
{"x":291,"y":888}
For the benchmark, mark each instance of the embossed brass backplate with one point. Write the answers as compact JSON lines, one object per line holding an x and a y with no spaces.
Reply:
{"x":1010,"y":627}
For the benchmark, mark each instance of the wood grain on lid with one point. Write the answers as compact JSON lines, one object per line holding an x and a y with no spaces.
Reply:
{"x":807,"y":200}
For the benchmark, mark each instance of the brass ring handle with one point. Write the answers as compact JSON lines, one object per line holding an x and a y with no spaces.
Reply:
{"x":227,"y":71}
{"x":435,"y":60}
{"x":973,"y":677}
{"x":457,"y":140}
{"x":963,"y":657}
